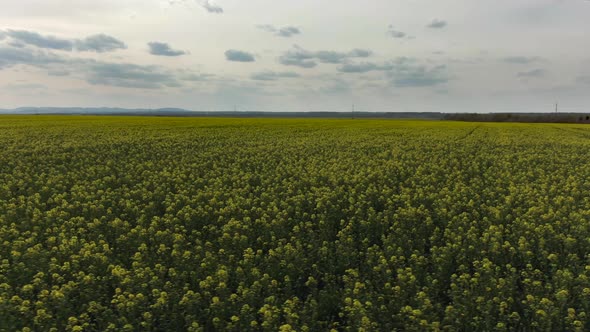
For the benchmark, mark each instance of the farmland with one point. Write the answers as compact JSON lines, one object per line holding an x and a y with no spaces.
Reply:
{"x":203,"y":224}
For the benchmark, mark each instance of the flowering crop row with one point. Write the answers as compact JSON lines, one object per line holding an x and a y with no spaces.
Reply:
{"x":151,"y":224}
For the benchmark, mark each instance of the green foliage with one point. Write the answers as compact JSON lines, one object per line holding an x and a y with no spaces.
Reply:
{"x":151,"y":224}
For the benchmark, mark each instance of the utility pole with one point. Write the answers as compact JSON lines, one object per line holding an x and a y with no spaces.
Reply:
{"x":353,"y":111}
{"x":556,"y":104}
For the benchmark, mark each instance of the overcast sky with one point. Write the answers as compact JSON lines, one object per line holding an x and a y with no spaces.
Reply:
{"x":303,"y":55}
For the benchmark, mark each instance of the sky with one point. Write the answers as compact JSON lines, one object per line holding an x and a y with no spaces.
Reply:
{"x":303,"y":55}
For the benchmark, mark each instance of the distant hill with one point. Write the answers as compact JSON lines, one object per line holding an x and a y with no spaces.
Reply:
{"x":179,"y":112}
{"x":245,"y":114}
{"x":96,"y":111}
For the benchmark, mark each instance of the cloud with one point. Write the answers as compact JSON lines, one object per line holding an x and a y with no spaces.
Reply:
{"x":2,"y":35}
{"x":406,"y":73}
{"x":298,"y":57}
{"x":267,"y":27}
{"x":531,"y":73}
{"x":239,"y":56}
{"x":58,"y":72}
{"x":129,"y":75}
{"x":364,"y":67}
{"x":395,"y":33}
{"x":11,"y":56}
{"x":583,"y":80}
{"x":100,"y":43}
{"x":306,"y":59}
{"x":403,"y":72}
{"x":203,"y":3}
{"x":17,"y":44}
{"x":36,"y":39}
{"x":163,"y":49}
{"x":437,"y":24}
{"x":211,"y":8}
{"x":92,"y":71}
{"x":287,"y":31}
{"x":359,"y":53}
{"x":272,"y":76}
{"x":331,"y":56}
{"x":521,"y":59}
{"x":197,"y":77}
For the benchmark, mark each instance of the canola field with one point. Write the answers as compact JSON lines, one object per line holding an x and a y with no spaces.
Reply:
{"x":204,"y":224}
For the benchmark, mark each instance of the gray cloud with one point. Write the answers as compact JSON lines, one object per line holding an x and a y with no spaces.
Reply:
{"x":267,"y":27}
{"x":36,"y":39}
{"x":395,"y":33}
{"x":17,"y":44}
{"x":407,"y":73}
{"x":211,"y":8}
{"x":100,"y":43}
{"x":239,"y":56}
{"x":437,"y":24}
{"x":10,"y":56}
{"x":287,"y":31}
{"x":306,"y":59}
{"x":272,"y":76}
{"x":298,"y":57}
{"x":531,"y":73}
{"x":92,"y":71}
{"x":583,"y":80}
{"x":2,"y":35}
{"x":521,"y":59}
{"x":364,"y":67}
{"x":129,"y":75}
{"x":403,"y":72}
{"x":58,"y":72}
{"x":203,"y":3}
{"x":163,"y":49}
{"x":197,"y":77}
{"x":331,"y":56}
{"x":359,"y":53}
